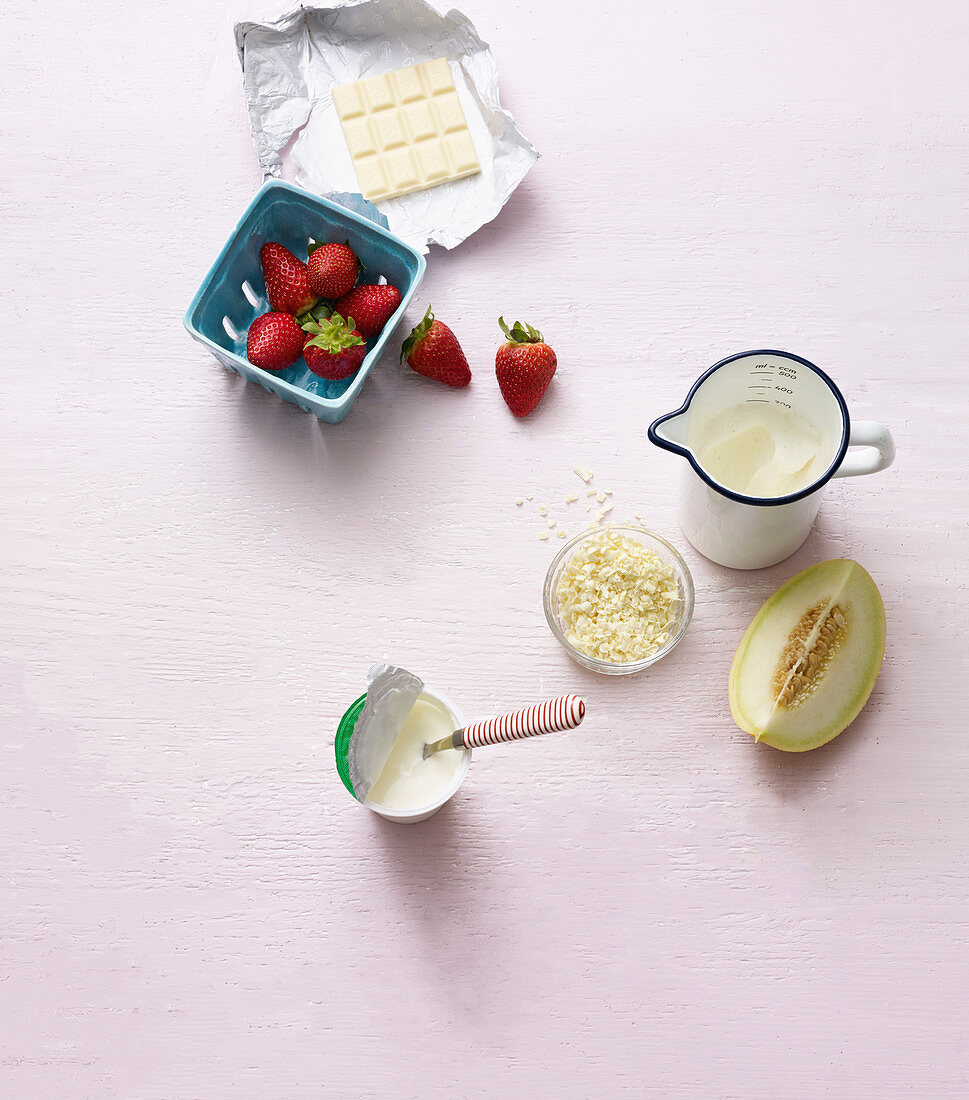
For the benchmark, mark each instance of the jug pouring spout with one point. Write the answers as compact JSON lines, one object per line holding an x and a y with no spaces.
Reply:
{"x":670,"y":431}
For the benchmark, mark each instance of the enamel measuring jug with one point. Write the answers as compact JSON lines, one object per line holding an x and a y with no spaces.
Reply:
{"x":750,"y":532}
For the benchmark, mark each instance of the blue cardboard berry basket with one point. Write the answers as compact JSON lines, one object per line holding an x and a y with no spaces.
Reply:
{"x":233,"y":295}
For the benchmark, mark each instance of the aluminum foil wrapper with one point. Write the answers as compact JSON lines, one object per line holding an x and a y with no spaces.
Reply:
{"x":391,"y":693}
{"x":291,"y":65}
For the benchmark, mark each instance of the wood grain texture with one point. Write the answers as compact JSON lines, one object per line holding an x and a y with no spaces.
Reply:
{"x":195,"y":577}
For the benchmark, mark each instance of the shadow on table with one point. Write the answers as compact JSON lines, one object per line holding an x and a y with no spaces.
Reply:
{"x":523,"y":217}
{"x":292,"y":439}
{"x":793,"y":774}
{"x":448,"y":893}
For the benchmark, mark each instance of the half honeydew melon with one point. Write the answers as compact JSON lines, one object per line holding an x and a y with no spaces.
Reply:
{"x":810,"y":658}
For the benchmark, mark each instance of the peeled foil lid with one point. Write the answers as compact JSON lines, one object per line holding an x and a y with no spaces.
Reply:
{"x":391,"y":694}
{"x":290,"y":67}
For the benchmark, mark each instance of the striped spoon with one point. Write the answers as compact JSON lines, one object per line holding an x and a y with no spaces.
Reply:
{"x":564,"y":713}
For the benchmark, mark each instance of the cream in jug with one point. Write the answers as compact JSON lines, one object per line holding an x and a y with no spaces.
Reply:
{"x":762,"y":450}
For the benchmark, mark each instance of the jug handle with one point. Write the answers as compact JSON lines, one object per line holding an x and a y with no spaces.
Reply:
{"x":879,"y":450}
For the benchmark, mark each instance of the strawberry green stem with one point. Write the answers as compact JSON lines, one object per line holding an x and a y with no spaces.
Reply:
{"x":521,"y":333}
{"x":417,"y":334}
{"x":333,"y":334}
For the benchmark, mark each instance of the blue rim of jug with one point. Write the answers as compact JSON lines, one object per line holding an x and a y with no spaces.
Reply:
{"x":742,"y":498}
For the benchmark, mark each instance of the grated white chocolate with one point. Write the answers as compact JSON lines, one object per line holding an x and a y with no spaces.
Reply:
{"x":616,"y":599}
{"x":406,"y":130}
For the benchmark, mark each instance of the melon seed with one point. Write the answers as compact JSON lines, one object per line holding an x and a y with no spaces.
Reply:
{"x":800,"y":669}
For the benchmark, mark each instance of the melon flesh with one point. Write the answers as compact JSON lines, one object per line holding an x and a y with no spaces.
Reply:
{"x":810,"y":658}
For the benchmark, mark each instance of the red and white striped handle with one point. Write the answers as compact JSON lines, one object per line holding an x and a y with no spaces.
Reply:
{"x":564,"y":713}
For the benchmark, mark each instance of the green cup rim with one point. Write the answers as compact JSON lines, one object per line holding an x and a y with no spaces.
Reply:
{"x":341,"y":743}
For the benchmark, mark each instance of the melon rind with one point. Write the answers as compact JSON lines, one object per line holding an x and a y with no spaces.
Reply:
{"x":849,"y":680}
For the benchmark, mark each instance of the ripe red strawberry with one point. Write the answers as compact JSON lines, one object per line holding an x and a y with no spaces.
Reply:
{"x":433,"y":350}
{"x":275,"y":341}
{"x":287,"y":280}
{"x":524,"y":367}
{"x":333,"y":269}
{"x":372,"y":306}
{"x":333,"y":349}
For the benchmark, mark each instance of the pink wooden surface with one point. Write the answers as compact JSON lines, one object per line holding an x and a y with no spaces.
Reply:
{"x":195,"y":578}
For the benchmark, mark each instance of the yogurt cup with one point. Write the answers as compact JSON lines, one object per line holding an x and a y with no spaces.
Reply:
{"x":416,"y":813}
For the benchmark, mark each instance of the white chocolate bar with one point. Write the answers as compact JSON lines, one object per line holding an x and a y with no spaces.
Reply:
{"x":406,"y":130}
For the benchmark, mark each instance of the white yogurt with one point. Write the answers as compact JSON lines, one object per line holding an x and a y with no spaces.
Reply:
{"x":762,"y":450}
{"x":408,"y":783}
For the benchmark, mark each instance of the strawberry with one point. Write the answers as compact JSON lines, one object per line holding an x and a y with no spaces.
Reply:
{"x":333,"y":349}
{"x":433,"y":350}
{"x":524,"y":367}
{"x":275,"y":341}
{"x":287,"y":280}
{"x":333,"y":269}
{"x":373,"y":306}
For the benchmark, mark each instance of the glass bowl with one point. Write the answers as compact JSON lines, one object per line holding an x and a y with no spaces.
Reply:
{"x":683,"y":610}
